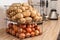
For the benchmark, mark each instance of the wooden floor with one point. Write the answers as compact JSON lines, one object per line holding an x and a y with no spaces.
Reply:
{"x":50,"y":32}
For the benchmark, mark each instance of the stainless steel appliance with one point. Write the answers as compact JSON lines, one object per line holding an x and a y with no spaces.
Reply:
{"x":53,"y":14}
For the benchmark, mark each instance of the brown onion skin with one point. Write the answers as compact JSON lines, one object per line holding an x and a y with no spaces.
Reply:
{"x":29,"y":25}
{"x":7,"y":30}
{"x":24,"y":31}
{"x":23,"y":26}
{"x":20,"y":30}
{"x":37,"y":28}
{"x":10,"y":25}
{"x":28,"y":34}
{"x":15,"y":28}
{"x":22,"y":35}
{"x":37,"y":32}
{"x":13,"y":32}
{"x":17,"y":34}
{"x":33,"y":29}
{"x":32,"y":34}
{"x":29,"y":30}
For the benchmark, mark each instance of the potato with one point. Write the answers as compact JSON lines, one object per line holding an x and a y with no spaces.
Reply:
{"x":26,"y":13}
{"x":22,"y":20}
{"x":36,"y":18}
{"x":28,"y":19}
{"x":33,"y":13}
{"x":23,"y":8}
{"x":38,"y":14}
{"x":13,"y":18}
{"x":12,"y":13}
{"x":19,"y":15}
{"x":26,"y":8}
{"x":19,"y":10}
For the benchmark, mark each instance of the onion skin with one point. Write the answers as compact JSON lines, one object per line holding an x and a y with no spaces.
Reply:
{"x":33,"y":29}
{"x":13,"y":32}
{"x":22,"y":35}
{"x":29,"y":30}
{"x":37,"y":32}
{"x":22,"y":25}
{"x":28,"y":34}
{"x":17,"y":34}
{"x":7,"y":30}
{"x":24,"y":31}
{"x":29,"y":25}
{"x":10,"y":25}
{"x":32,"y":25}
{"x":32,"y":34}
{"x":10,"y":31}
{"x":20,"y":30}
{"x":37,"y":28}
{"x":15,"y":28}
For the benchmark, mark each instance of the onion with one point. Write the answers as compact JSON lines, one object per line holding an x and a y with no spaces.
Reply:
{"x":33,"y":29}
{"x":28,"y":34}
{"x":7,"y":30}
{"x":37,"y":32}
{"x":23,"y":26}
{"x":22,"y":35}
{"x":32,"y":34}
{"x":20,"y":30}
{"x":10,"y":31}
{"x":37,"y":28}
{"x":29,"y":30}
{"x":29,"y":25}
{"x":10,"y":25}
{"x":13,"y":32}
{"x":32,"y":25}
{"x":24,"y":31}
{"x":17,"y":34}
{"x":15,"y":27}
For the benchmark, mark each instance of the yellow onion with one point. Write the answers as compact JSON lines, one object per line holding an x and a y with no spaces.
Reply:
{"x":13,"y":32}
{"x":17,"y":34}
{"x":29,"y":25}
{"x":29,"y":30}
{"x":22,"y":35}
{"x":15,"y":27}
{"x":32,"y":34}
{"x":33,"y":29}
{"x":7,"y":30}
{"x":20,"y":30}
{"x":37,"y":32}
{"x":28,"y":34}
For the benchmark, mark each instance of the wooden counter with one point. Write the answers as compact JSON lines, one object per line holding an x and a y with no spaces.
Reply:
{"x":50,"y":32}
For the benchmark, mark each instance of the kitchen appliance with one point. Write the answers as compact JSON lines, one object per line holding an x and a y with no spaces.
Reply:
{"x":53,"y":14}
{"x":53,"y":9}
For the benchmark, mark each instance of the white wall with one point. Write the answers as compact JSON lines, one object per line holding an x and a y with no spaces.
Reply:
{"x":9,"y":2}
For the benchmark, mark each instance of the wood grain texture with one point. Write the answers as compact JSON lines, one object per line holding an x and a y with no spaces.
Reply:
{"x":50,"y":32}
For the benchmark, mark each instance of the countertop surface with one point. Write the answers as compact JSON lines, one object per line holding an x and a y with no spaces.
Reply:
{"x":50,"y":32}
